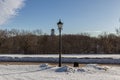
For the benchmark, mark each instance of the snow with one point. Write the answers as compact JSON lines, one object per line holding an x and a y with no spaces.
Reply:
{"x":115,"y":56}
{"x":49,"y":72}
{"x":66,"y":58}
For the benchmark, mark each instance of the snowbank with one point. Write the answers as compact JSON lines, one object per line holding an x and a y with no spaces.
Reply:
{"x":48,"y":72}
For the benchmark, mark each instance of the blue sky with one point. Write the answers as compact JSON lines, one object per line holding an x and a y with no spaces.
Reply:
{"x":92,"y":16}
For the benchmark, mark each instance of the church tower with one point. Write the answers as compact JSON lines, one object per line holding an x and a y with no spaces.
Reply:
{"x":52,"y":32}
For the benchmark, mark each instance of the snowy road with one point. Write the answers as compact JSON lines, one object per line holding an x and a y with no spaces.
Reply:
{"x":116,"y":56}
{"x":101,"y":59}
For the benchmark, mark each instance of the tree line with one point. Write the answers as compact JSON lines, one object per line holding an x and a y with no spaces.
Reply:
{"x":35,"y":42}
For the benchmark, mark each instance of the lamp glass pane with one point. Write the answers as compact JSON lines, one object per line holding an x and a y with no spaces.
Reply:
{"x":59,"y":25}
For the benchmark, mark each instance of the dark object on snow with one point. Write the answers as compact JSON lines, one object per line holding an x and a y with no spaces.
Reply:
{"x":76,"y":64}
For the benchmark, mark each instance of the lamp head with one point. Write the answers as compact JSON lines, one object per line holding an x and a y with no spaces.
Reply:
{"x":60,"y":24}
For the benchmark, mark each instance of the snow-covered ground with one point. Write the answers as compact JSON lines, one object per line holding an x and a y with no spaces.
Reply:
{"x":48,"y":72}
{"x":115,"y":56}
{"x":67,"y":58}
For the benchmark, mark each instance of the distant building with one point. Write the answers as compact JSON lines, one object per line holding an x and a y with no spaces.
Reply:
{"x":52,"y":32}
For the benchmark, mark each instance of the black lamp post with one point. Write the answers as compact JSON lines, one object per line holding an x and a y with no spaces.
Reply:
{"x":60,"y":25}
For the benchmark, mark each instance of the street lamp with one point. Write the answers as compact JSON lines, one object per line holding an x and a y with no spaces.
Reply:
{"x":60,"y":25}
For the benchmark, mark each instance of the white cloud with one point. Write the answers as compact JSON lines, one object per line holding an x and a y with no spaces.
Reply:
{"x":9,"y":9}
